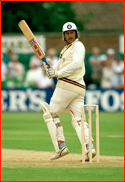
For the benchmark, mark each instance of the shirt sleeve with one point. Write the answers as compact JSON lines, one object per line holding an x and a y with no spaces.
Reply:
{"x":78,"y":58}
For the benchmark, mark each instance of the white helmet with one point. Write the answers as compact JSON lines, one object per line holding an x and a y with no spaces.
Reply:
{"x":69,"y":26}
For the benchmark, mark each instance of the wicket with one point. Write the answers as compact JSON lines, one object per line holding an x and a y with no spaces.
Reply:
{"x":90,"y":132}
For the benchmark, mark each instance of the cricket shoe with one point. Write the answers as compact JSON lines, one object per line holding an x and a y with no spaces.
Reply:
{"x":62,"y":152}
{"x":87,"y":155}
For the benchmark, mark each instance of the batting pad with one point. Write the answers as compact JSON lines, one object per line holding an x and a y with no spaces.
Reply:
{"x":77,"y":128}
{"x":50,"y":124}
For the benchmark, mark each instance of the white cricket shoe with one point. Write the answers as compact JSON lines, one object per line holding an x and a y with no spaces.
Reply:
{"x":62,"y":152}
{"x":87,"y":155}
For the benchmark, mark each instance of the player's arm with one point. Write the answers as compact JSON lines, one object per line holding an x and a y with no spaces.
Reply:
{"x":78,"y":57}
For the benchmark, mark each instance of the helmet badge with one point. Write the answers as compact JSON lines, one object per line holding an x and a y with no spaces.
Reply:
{"x":69,"y":26}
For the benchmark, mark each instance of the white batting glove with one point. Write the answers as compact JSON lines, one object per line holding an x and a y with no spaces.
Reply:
{"x":49,"y":62}
{"x":44,"y":67}
{"x":52,"y":73}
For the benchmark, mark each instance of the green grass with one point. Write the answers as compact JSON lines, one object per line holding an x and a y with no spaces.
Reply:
{"x":63,"y":174}
{"x":29,"y":131}
{"x":25,"y":130}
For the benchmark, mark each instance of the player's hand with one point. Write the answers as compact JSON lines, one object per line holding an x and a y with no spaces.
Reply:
{"x":52,"y":73}
{"x":44,"y":67}
{"x":50,"y":63}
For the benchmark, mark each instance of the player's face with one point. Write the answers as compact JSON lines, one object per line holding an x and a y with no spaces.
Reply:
{"x":70,"y":36}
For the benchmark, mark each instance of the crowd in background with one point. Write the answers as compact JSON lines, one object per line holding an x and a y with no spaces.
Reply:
{"x":106,"y":70}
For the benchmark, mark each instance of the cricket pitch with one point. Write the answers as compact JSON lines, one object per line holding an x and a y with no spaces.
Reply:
{"x":30,"y":158}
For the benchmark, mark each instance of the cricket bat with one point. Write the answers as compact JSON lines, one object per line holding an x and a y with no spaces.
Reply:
{"x":32,"y":40}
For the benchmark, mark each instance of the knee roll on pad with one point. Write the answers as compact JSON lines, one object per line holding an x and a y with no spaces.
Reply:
{"x":54,"y":115}
{"x":47,"y":117}
{"x":46,"y":110}
{"x":45,"y":107}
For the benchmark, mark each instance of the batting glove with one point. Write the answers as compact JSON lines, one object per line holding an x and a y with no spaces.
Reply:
{"x":44,"y":67}
{"x":52,"y":73}
{"x":49,"y":62}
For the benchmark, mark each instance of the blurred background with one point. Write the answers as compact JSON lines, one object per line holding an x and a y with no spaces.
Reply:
{"x":101,"y":27}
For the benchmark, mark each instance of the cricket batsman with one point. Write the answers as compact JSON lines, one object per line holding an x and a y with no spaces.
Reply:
{"x":69,"y":91}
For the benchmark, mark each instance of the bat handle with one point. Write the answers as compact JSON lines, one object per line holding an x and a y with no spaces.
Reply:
{"x":45,"y":61}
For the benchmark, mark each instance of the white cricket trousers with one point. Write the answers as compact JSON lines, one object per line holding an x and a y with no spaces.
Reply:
{"x":63,"y":98}
{"x":60,"y":100}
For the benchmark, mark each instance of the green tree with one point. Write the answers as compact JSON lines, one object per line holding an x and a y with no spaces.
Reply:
{"x":41,"y":16}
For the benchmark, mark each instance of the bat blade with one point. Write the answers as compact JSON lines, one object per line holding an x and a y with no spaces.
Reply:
{"x":32,"y":40}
